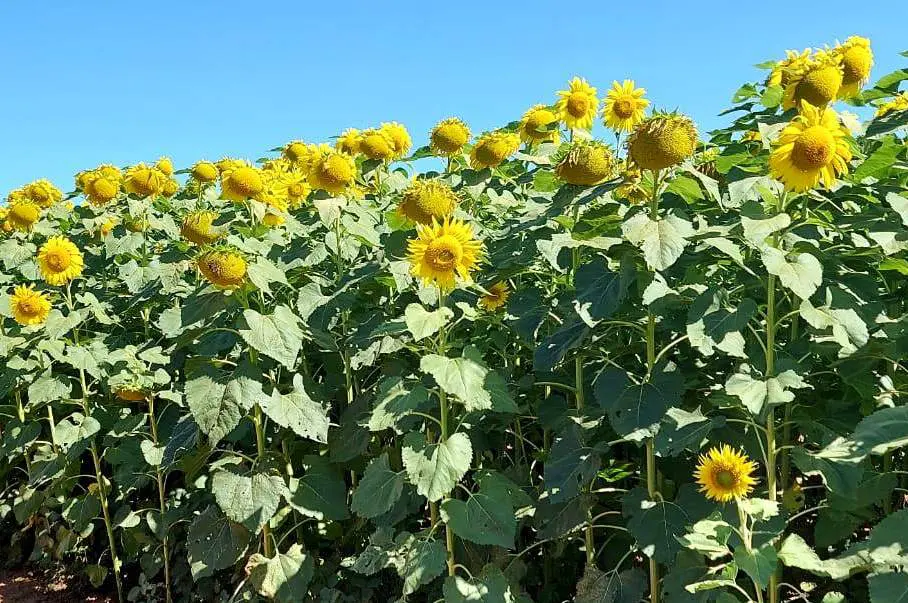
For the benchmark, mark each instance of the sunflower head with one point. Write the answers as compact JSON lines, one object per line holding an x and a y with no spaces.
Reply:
{"x":60,"y":261}
{"x":297,"y":187}
{"x":272,"y":219}
{"x":705,"y":161}
{"x":348,"y":141}
{"x":136,"y":223}
{"x":442,"y":252}
{"x":144,"y":181}
{"x":448,"y":137}
{"x":204,"y":171}
{"x":23,"y":214}
{"x":333,"y":171}
{"x":577,"y":106}
{"x":624,"y":106}
{"x":400,"y":138}
{"x":662,"y":141}
{"x":539,"y":124}
{"x":426,"y":200}
{"x":100,"y":190}
{"x":165,"y":165}
{"x":241,"y":183}
{"x":198,"y":228}
{"x":228,"y":164}
{"x":171,"y":186}
{"x":897,"y":103}
{"x":496,"y":297}
{"x":42,"y":192}
{"x":586,"y":163}
{"x":725,"y":474}
{"x":223,"y":268}
{"x":857,"y":61}
{"x":782,"y":71}
{"x":817,"y":81}
{"x":377,"y":144}
{"x":493,"y":148}
{"x":296,"y":151}
{"x":107,"y":227}
{"x":29,"y":307}
{"x":813,"y":148}
{"x":130,"y":394}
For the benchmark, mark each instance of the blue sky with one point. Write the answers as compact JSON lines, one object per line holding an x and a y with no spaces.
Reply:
{"x":95,"y":82}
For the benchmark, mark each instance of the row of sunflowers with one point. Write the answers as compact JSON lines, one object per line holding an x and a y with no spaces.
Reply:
{"x":546,"y":367}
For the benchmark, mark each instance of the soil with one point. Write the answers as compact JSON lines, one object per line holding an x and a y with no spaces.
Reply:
{"x":36,"y":586}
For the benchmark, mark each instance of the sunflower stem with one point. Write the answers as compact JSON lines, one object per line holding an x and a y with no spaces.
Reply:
{"x":258,"y":422}
{"x":159,"y":475}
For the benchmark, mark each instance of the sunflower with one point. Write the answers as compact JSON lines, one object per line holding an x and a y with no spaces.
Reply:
{"x":333,"y":172}
{"x":23,"y":214}
{"x":223,"y":268}
{"x":144,"y":181}
{"x":426,"y":200}
{"x":228,"y":164}
{"x":297,"y":186}
{"x":130,"y":394}
{"x":492,"y":148}
{"x":29,"y":307}
{"x":577,"y":106}
{"x":42,"y":192}
{"x":813,"y":148}
{"x":107,"y":227}
{"x":631,"y":188}
{"x":898,"y":103}
{"x":496,"y":296}
{"x":725,"y":474}
{"x":857,"y":61}
{"x":539,"y":124}
{"x":399,"y":137}
{"x":197,"y":228}
{"x":662,"y":141}
{"x":817,"y":80}
{"x":170,"y":187}
{"x":377,"y":144}
{"x":296,"y":151}
{"x":586,"y":163}
{"x":448,"y":137}
{"x":204,"y":171}
{"x":60,"y":261}
{"x":101,"y":190}
{"x":272,"y":219}
{"x":782,"y":71}
{"x":442,"y":252}
{"x":624,"y":106}
{"x":241,"y":183}
{"x":165,"y":165}
{"x":348,"y":141}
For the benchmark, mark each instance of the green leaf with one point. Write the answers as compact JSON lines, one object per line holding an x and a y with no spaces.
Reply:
{"x":251,"y":500}
{"x":263,"y":272}
{"x":759,"y":563}
{"x":154,"y":455}
{"x":837,"y":464}
{"x":462,"y":377}
{"x":422,"y":323}
{"x":218,"y":400}
{"x":435,"y":469}
{"x":214,"y":543}
{"x":486,"y":517}
{"x":635,"y":411}
{"x":891,"y":587}
{"x":75,"y":428}
{"x":552,"y":350}
{"x":276,"y":335}
{"x":422,"y":562}
{"x":879,"y":162}
{"x":900,"y":204}
{"x":491,"y":586}
{"x":48,"y":388}
{"x":297,"y":411}
{"x":599,"y":290}
{"x":657,"y":525}
{"x":756,"y":394}
{"x":662,"y":241}
{"x":682,"y":430}
{"x":285,"y":577}
{"x":848,"y":330}
{"x":596,"y":586}
{"x":571,"y":465}
{"x":772,"y":97}
{"x":802,"y":276}
{"x":394,"y":401}
{"x":883,"y":431}
{"x":321,"y":491}
{"x":378,"y":490}
{"x":81,"y":511}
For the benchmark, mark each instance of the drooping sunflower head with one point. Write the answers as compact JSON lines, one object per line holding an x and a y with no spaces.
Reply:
{"x":399,"y":137}
{"x":223,"y":268}
{"x":333,"y":171}
{"x":29,"y":307}
{"x":585,"y":163}
{"x":496,"y":297}
{"x":348,"y":141}
{"x":577,"y":106}
{"x":705,"y":161}
{"x":442,"y":252}
{"x":165,"y":165}
{"x":662,"y":141}
{"x":812,"y":149}
{"x":897,"y":103}
{"x":143,"y":181}
{"x":101,"y":190}
{"x":631,"y":188}
{"x":377,"y":144}
{"x":204,"y":172}
{"x":816,"y":80}
{"x":60,"y":261}
{"x":725,"y":474}
{"x":227,"y":164}
{"x":42,"y":192}
{"x":782,"y":71}
{"x":857,"y":61}
{"x":171,"y":187}
{"x":296,"y":151}
{"x":241,"y":183}
{"x":23,"y":214}
{"x":448,"y":137}
{"x":539,"y":124}
{"x":426,"y":200}
{"x":493,"y":148}
{"x":624,"y":106}
{"x":198,"y":228}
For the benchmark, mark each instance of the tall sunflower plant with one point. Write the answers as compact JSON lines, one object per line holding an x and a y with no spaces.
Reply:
{"x":595,"y":353}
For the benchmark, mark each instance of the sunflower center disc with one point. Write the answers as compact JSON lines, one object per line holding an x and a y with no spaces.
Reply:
{"x":444,"y":253}
{"x":56,"y":261}
{"x":725,"y":478}
{"x":624,"y":108}
{"x":813,"y":148}
{"x":577,"y":105}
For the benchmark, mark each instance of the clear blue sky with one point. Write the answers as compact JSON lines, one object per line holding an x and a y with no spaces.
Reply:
{"x":120,"y":82}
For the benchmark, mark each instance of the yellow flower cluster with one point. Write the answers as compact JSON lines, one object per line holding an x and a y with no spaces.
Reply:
{"x":820,"y":76}
{"x":26,"y":204}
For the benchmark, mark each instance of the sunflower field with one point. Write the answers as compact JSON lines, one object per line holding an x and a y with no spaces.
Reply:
{"x":525,"y":365}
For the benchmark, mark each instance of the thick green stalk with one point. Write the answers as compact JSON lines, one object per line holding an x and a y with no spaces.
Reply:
{"x":105,"y":512}
{"x":651,"y":470}
{"x":449,"y":533}
{"x":159,"y":475}
{"x":770,"y":413}
{"x":258,"y":421}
